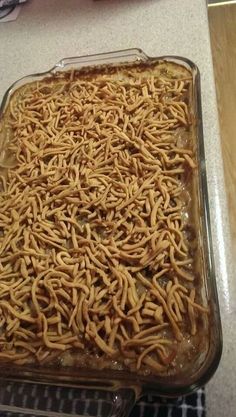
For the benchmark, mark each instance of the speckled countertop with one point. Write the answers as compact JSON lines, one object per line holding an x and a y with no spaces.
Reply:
{"x":49,"y":30}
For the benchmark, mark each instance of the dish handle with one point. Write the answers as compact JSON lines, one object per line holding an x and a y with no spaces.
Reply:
{"x":126,"y":55}
{"x":41,"y":400}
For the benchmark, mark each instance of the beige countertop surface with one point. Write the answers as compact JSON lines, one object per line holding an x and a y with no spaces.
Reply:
{"x":48,"y":30}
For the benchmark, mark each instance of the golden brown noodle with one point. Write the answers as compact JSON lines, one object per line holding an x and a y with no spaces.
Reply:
{"x":93,"y":249}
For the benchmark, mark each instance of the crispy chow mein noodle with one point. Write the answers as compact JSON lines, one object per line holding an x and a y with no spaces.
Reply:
{"x":97,"y":251}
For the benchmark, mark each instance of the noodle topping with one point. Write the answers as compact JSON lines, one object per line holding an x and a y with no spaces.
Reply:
{"x":96,"y":255}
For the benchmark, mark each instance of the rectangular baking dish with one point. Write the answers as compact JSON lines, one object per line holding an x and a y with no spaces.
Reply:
{"x":122,"y":381}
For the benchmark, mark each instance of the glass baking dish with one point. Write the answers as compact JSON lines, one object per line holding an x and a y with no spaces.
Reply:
{"x":123,"y":386}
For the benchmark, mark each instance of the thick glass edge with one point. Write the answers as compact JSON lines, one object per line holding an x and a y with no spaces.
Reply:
{"x":206,"y":225}
{"x":132,"y":55}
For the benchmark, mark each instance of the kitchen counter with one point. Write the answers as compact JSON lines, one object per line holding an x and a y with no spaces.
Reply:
{"x":49,"y":30}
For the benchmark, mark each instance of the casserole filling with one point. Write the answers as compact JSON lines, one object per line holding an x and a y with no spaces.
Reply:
{"x":100,"y":264}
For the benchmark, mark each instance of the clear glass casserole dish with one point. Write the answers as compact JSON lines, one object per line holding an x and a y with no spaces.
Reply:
{"x":125,"y":387}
